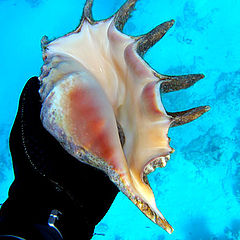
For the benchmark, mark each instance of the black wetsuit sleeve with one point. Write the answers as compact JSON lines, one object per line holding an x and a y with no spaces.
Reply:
{"x":47,"y":178}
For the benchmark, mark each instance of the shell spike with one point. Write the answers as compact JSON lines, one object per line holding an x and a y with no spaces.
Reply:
{"x":147,"y":40}
{"x":44,"y":43}
{"x":175,"y":83}
{"x":122,"y":15}
{"x":180,"y":118}
{"x":154,"y":215}
{"x":87,"y":11}
{"x":86,"y":15}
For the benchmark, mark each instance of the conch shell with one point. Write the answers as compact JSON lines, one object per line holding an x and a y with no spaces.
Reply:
{"x":102,"y":102}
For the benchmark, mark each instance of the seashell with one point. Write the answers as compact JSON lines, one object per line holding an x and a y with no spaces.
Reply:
{"x":102,"y":102}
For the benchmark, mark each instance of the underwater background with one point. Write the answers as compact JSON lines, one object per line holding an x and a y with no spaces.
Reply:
{"x":199,"y":189}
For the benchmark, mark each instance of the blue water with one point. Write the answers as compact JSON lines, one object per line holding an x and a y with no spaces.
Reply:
{"x":199,"y":190}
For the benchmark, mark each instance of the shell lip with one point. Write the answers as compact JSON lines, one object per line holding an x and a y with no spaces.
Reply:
{"x":155,"y":162}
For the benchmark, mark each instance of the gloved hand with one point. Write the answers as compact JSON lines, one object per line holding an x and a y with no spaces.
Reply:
{"x":47,"y":178}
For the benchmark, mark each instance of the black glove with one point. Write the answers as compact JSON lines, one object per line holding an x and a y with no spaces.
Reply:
{"x":47,"y":178}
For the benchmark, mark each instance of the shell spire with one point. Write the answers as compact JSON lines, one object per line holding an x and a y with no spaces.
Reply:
{"x":102,"y":102}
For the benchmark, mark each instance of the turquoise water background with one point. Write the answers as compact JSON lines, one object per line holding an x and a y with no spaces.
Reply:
{"x":199,"y":189}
